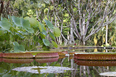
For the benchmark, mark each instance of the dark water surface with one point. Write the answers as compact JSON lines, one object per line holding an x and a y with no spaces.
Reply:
{"x":63,"y":67}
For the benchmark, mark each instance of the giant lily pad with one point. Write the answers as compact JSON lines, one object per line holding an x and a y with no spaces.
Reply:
{"x":37,"y":52}
{"x":95,"y":56}
{"x":47,"y":60}
{"x":46,"y":55}
{"x":1,"y":54}
{"x":17,"y":55}
{"x":41,"y":69}
{"x":61,"y":57}
{"x":95,"y":63}
{"x":17,"y":60}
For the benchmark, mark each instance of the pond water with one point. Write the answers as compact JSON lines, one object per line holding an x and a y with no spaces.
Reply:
{"x":62,"y":67}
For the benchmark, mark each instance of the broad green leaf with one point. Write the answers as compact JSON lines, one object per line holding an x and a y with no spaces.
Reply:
{"x":42,"y":35}
{"x":51,"y":75}
{"x":6,"y":75}
{"x":54,"y":44}
{"x":16,"y":20}
{"x":56,"y":31}
{"x":26,"y":25}
{"x":41,"y":27}
{"x":30,"y":30}
{"x":52,"y":35}
{"x":47,"y":1}
{"x":33,"y":22}
{"x":49,"y":24}
{"x":19,"y":35}
{"x":46,"y":42}
{"x":5,"y":24}
{"x":44,"y":32}
{"x":1,"y":32}
{"x":15,"y":43}
{"x":19,"y":48}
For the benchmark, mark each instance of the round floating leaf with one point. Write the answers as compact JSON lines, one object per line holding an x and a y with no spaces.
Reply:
{"x":5,"y":24}
{"x":46,"y":42}
{"x":54,"y":44}
{"x":49,"y":24}
{"x":56,"y":31}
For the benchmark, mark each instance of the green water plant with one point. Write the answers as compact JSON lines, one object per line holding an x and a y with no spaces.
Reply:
{"x":20,"y":34}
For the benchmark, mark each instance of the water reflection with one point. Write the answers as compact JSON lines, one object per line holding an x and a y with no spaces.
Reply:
{"x":57,"y":66}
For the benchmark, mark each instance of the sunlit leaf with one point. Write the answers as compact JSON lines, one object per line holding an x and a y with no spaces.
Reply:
{"x":49,"y":24}
{"x":54,"y":44}
{"x":42,"y":35}
{"x":52,"y":35}
{"x":41,"y":27}
{"x":56,"y":31}
{"x":46,"y":42}
{"x":33,"y":22}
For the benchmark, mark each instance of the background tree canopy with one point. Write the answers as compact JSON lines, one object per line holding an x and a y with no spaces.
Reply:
{"x":51,"y":22}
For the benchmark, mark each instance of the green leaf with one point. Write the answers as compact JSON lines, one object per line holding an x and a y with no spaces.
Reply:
{"x":44,"y":32}
{"x":54,"y":44}
{"x":15,"y":43}
{"x":49,"y":24}
{"x":52,"y":35}
{"x":51,"y":75}
{"x":41,"y":27}
{"x":5,"y":24}
{"x":19,"y":35}
{"x":46,"y":42}
{"x":42,"y":35}
{"x":30,"y":30}
{"x":26,"y":25}
{"x":16,"y":20}
{"x":33,"y":22}
{"x":56,"y":31}
{"x":7,"y":75}
{"x":19,"y":48}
